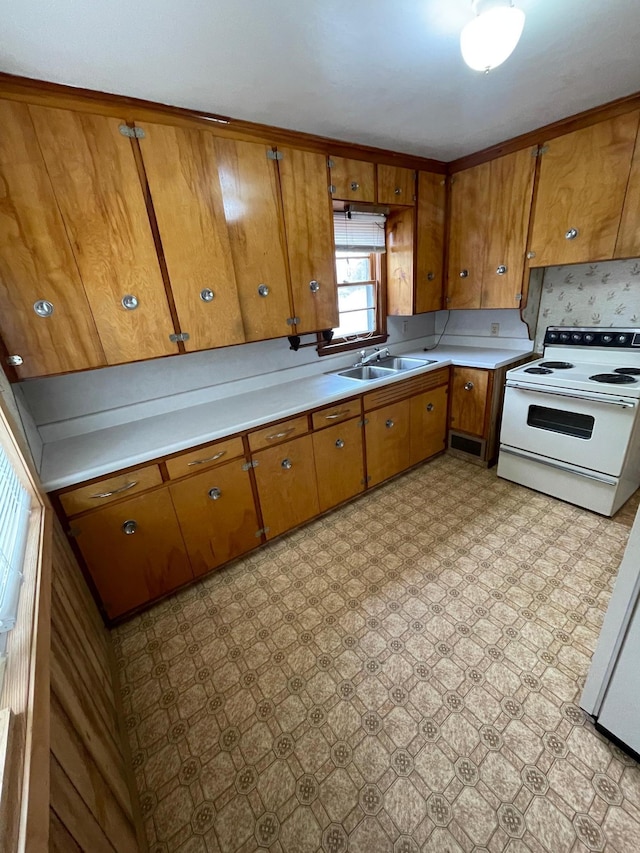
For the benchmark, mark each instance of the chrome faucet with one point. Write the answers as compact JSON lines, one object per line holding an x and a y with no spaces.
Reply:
{"x":376,"y":355}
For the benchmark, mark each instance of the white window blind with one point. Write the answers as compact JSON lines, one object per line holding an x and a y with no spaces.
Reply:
{"x":359,"y":232}
{"x":15,"y":506}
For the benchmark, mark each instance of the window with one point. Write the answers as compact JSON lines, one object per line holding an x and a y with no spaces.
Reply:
{"x":359,"y":246}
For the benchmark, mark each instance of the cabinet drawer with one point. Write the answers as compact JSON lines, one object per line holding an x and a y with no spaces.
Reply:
{"x":336,"y":413}
{"x":105,"y":491}
{"x":276,"y":433}
{"x":204,"y":457}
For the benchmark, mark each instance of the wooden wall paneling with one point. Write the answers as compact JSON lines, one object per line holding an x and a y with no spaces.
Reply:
{"x":354,"y":180}
{"x":400,"y":262}
{"x":36,"y":262}
{"x":468,"y":224}
{"x":75,"y":815}
{"x":60,"y":839}
{"x":628,"y":239}
{"x":182,"y":171}
{"x":509,"y":212}
{"x":97,"y":187}
{"x":582,"y":185}
{"x":250,"y":190}
{"x":430,"y":222}
{"x":308,"y":216}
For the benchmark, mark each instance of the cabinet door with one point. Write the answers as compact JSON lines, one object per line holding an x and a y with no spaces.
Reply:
{"x":583,"y":178}
{"x":387,"y":441}
{"x":182,"y":172}
{"x":308,"y":218}
{"x":339,"y":462}
{"x":467,"y":237}
{"x":469,"y":399}
{"x":286,"y":478}
{"x":400,"y":266}
{"x":353,"y":180}
{"x":131,"y":568}
{"x":97,"y":188}
{"x":37,"y":263}
{"x":628,"y":241}
{"x":252,"y":207}
{"x":396,"y":185}
{"x":509,"y":211}
{"x":217,"y":515}
{"x":428,"y":424}
{"x":429,"y":274}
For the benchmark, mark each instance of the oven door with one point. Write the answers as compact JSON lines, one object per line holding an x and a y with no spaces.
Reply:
{"x":588,"y":430}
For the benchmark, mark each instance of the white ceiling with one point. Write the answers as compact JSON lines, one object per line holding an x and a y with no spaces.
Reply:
{"x":381,"y":73}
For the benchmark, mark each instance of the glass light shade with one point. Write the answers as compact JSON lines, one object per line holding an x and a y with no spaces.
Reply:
{"x":490,"y":38}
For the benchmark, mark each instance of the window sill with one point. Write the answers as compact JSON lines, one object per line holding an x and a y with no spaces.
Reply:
{"x":343,"y":345}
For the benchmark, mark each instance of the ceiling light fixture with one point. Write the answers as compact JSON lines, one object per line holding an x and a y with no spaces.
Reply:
{"x":491,"y":37}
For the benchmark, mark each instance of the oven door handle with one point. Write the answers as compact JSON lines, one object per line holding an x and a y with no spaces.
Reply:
{"x":599,"y":478}
{"x":623,"y":404}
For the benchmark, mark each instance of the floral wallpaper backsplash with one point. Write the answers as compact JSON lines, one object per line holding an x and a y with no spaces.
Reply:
{"x":602,"y":294}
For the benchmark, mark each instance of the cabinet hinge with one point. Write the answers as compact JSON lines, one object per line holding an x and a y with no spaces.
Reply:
{"x":181,"y":336}
{"x":332,"y":188}
{"x":363,"y":422}
{"x":132,"y":132}
{"x":14,"y":360}
{"x":539,"y":150}
{"x":518,"y":297}
{"x":248,"y":465}
{"x":274,"y":155}
{"x":292,"y":321}
{"x":330,"y":163}
{"x":262,"y":530}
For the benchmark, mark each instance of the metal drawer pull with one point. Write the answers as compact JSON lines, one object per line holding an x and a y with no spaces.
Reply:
{"x":286,"y":464}
{"x":599,"y":478}
{"x":501,"y":269}
{"x":208,"y":459}
{"x":263,"y":290}
{"x":622,"y":404}
{"x":124,"y":488}
{"x":314,"y":286}
{"x":215,"y":494}
{"x":389,"y":424}
{"x":464,"y":273}
{"x":130,"y":527}
{"x":206,"y":294}
{"x":43,"y":308}
{"x":339,"y":443}
{"x":282,"y":434}
{"x":130,"y":302}
{"x":571,"y":234}
{"x":468,"y":386}
{"x":355,"y":185}
{"x":429,"y":407}
{"x":335,"y":415}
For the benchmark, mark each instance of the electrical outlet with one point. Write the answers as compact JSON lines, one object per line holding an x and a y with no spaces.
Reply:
{"x":495,"y":330}
{"x":405,"y":327}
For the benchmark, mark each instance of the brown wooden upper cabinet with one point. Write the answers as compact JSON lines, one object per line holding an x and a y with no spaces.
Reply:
{"x":352,"y":180}
{"x":396,"y":185}
{"x":182,"y":172}
{"x":97,"y":188}
{"x":489,"y":220}
{"x":628,"y":242}
{"x":581,"y":193}
{"x":308,"y":219}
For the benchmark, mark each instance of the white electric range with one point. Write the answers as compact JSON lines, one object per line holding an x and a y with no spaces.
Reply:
{"x":570,"y":424}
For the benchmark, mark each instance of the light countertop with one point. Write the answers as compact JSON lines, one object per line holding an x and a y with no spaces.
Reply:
{"x":101,"y":452}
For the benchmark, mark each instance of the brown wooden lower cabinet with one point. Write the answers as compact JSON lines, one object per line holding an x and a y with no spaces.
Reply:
{"x":339,"y":462}
{"x":217,"y":515}
{"x":428,"y":424}
{"x":286,"y":480}
{"x":469,"y":398}
{"x":387,"y":434}
{"x":134,"y":550}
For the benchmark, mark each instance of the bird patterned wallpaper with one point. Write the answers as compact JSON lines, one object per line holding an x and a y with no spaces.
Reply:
{"x":602,"y":294}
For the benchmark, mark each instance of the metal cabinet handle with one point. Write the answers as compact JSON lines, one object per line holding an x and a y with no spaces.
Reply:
{"x":213,"y":458}
{"x":263,"y":290}
{"x":389,"y":423}
{"x":43,"y":308}
{"x":339,"y":442}
{"x":501,"y":269}
{"x":314,"y":286}
{"x":430,"y":276}
{"x":335,"y":415}
{"x":129,"y":527}
{"x":130,"y":302}
{"x":468,"y":386}
{"x":124,"y":488}
{"x":355,"y":185}
{"x":429,"y":407}
{"x":571,"y":234}
{"x":206,"y":294}
{"x":215,"y":494}
{"x":464,"y":273}
{"x":274,"y":436}
{"x":397,"y":191}
{"x":286,"y":464}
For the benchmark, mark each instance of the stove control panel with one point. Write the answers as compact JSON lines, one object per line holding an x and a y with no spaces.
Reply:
{"x":594,"y":337}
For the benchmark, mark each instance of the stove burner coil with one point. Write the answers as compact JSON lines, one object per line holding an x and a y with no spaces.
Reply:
{"x":538,"y":370}
{"x":628,"y":371}
{"x":613,"y":378}
{"x":557,"y":365}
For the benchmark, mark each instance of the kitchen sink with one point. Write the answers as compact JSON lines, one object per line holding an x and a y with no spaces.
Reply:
{"x":393,"y":362}
{"x":367,"y":373}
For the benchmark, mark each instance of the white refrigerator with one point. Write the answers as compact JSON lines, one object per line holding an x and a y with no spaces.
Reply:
{"x":612,"y":691}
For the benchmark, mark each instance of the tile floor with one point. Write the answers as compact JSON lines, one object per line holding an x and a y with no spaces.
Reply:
{"x":401,"y":675}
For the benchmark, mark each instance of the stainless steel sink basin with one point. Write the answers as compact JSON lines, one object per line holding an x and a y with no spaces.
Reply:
{"x":367,"y":373}
{"x":398,"y":363}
